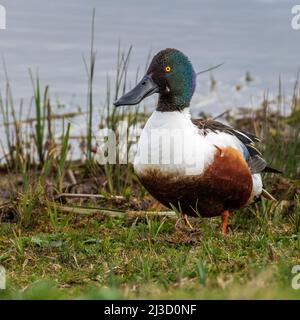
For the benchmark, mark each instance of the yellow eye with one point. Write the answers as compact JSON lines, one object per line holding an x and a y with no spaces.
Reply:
{"x":168,"y":69}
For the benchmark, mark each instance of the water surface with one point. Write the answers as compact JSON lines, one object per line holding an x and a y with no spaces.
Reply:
{"x":52,"y":36}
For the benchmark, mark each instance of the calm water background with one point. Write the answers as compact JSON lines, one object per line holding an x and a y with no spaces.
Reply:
{"x":52,"y":36}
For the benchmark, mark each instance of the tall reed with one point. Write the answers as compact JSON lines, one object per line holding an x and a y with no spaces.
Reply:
{"x":90,"y":69}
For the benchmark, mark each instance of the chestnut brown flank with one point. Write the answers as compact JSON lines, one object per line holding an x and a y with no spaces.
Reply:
{"x":225,"y":185}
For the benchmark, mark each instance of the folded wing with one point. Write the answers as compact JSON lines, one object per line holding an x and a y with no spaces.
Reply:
{"x":247,"y":141}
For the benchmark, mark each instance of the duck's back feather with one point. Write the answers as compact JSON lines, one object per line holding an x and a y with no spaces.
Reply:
{"x":247,"y":140}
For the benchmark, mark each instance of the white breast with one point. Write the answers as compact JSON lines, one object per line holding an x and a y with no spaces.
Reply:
{"x":170,"y":142}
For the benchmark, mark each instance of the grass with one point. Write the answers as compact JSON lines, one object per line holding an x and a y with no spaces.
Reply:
{"x":103,"y":257}
{"x":40,"y":110}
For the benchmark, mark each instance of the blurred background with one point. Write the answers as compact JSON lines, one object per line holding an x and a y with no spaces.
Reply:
{"x":253,"y":37}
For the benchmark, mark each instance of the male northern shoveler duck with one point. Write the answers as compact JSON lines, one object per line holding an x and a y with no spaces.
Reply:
{"x":197,"y":166}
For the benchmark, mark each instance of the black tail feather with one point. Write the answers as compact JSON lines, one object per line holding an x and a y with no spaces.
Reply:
{"x":271,"y":170}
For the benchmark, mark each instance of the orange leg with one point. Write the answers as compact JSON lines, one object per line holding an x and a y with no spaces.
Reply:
{"x":225,"y":216}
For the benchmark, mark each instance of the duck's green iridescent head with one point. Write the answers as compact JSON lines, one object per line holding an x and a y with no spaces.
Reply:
{"x":170,"y":74}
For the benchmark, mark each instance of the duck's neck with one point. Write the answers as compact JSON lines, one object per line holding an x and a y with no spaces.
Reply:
{"x":168,"y":102}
